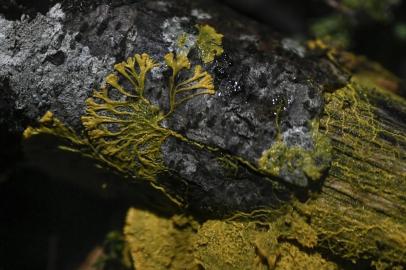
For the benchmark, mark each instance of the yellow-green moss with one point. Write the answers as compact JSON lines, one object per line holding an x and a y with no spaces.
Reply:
{"x":366,"y":178}
{"x":281,"y":158}
{"x":209,"y":43}
{"x":181,"y":243}
{"x":369,"y":143}
{"x":160,"y":243}
{"x":355,"y":232}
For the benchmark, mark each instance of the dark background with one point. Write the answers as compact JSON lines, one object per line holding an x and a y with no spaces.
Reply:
{"x":50,"y":224}
{"x":369,"y":36}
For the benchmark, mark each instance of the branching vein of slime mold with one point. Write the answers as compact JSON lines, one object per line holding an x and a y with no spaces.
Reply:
{"x":126,"y":133}
{"x":123,"y":128}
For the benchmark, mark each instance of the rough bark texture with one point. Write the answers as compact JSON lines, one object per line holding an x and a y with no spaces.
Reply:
{"x":307,"y":165}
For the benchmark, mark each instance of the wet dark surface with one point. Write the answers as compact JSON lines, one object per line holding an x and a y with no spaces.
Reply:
{"x":45,"y":224}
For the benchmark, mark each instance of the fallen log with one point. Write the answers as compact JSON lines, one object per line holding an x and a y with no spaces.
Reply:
{"x":274,"y":155}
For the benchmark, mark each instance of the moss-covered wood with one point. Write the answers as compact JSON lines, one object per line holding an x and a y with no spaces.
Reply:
{"x":355,"y":221}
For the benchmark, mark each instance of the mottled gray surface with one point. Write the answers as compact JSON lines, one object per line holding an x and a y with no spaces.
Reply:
{"x":47,"y":68}
{"x":216,"y":188}
{"x":264,"y":87}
